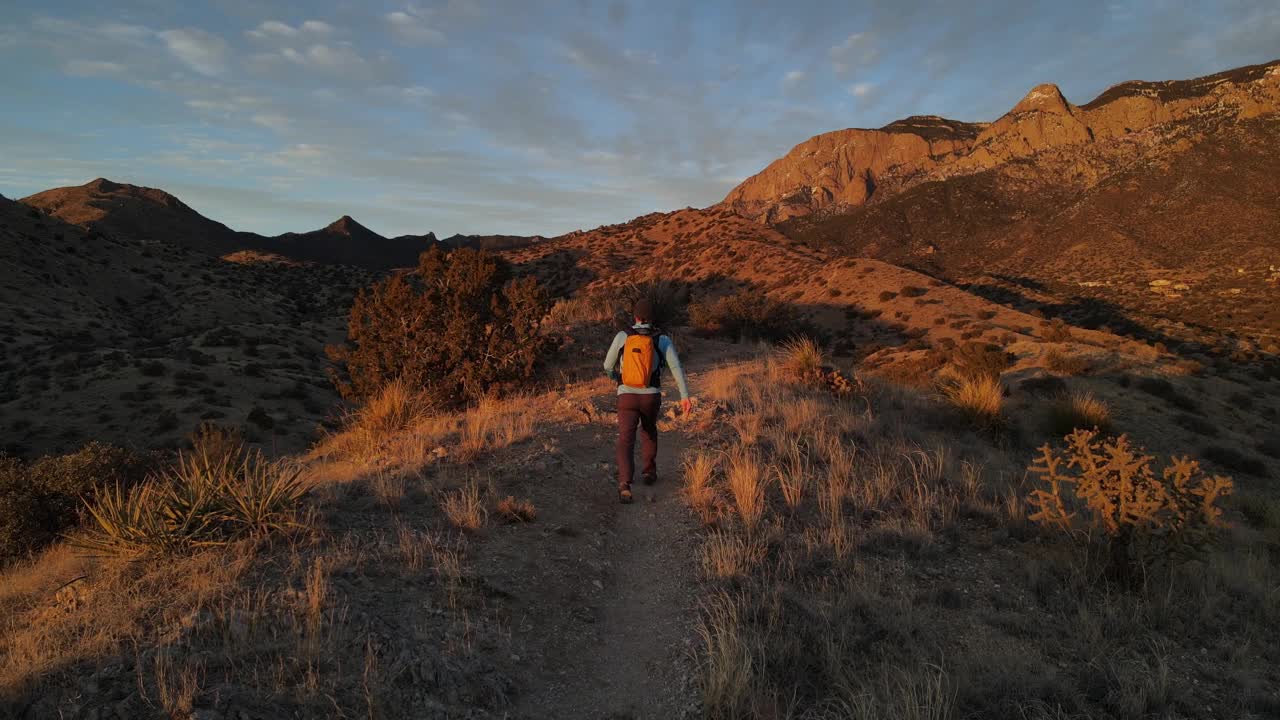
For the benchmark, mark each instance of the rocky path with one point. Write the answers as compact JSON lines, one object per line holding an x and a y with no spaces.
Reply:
{"x":602,"y":597}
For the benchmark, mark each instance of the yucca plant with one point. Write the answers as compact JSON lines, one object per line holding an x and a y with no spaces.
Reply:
{"x":260,"y":496}
{"x":207,"y":497}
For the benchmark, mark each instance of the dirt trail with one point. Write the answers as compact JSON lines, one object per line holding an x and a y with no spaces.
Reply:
{"x":602,"y":601}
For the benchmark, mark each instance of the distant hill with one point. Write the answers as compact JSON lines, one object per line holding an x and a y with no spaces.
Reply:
{"x":152,"y":215}
{"x":135,"y":342}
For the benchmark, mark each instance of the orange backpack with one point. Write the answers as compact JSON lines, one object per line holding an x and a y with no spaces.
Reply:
{"x":638,"y":368}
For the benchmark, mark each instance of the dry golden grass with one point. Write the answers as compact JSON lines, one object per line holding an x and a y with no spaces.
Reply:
{"x":802,"y":415}
{"x":749,"y":426}
{"x":1079,"y":409}
{"x":728,"y":665}
{"x":979,"y":397}
{"x":728,"y":555}
{"x":178,"y":682}
{"x":516,"y":511}
{"x":699,"y":468}
{"x":494,"y":424}
{"x":584,"y":309}
{"x":368,"y":430}
{"x":793,"y":469}
{"x":464,"y":507}
{"x":746,"y":480}
{"x":104,"y":605}
{"x":801,"y":359}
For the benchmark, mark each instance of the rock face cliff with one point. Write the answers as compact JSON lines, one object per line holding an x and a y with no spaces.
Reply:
{"x":847,"y":168}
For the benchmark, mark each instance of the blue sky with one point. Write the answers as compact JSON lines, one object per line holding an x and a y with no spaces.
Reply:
{"x":533,"y":117}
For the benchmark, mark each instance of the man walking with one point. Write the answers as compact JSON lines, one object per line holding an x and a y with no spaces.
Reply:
{"x":635,"y":361}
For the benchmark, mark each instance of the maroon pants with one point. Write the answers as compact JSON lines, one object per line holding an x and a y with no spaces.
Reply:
{"x":633,"y":411}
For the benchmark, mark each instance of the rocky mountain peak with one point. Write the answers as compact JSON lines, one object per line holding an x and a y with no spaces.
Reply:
{"x":347,"y":226}
{"x":1043,"y":98}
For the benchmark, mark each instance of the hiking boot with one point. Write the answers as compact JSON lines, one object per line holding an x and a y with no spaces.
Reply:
{"x":624,"y":495}
{"x":649,"y":479}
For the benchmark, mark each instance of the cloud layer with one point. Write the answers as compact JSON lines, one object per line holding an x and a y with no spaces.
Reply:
{"x":516,"y":117}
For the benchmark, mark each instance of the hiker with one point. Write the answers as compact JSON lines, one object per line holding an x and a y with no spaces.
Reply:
{"x":641,"y":350}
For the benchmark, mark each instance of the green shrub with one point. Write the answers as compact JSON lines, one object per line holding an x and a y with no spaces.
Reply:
{"x":460,"y":328}
{"x":748,"y":315}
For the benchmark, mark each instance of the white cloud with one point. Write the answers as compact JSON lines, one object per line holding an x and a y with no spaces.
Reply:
{"x":793,"y":79}
{"x":411,"y":27}
{"x":861,"y":89}
{"x":273,"y":121}
{"x":318,"y":27}
{"x":92,"y":68}
{"x":277,"y":29}
{"x":199,"y":50}
{"x":124,"y":32}
{"x":417,"y":92}
{"x":857,"y":50}
{"x":211,"y":105}
{"x":273,"y":27}
{"x":329,"y":57}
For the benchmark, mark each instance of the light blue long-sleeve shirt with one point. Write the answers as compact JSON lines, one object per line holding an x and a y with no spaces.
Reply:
{"x":664,"y":347}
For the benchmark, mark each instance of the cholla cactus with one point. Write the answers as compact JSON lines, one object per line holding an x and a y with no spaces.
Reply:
{"x":1150,"y":517}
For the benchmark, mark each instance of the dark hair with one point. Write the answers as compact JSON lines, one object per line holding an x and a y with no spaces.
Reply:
{"x":643,"y":310}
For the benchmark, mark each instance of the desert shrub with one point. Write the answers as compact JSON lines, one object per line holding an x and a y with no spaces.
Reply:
{"x":1072,"y":411}
{"x":1146,"y":517}
{"x":1065,"y":364}
{"x":668,"y":299}
{"x":513,"y":510}
{"x":203,"y":499}
{"x":259,"y":417}
{"x":975,"y":358}
{"x":1234,"y":460}
{"x":1055,"y":331}
{"x":153,"y":368}
{"x":887,"y":295}
{"x":585,"y":309}
{"x":912,"y":291}
{"x":748,"y":315}
{"x":40,"y":500}
{"x":1164,"y":389}
{"x":1044,"y":385}
{"x":1196,"y":424}
{"x":803,"y":361}
{"x":459,"y":328}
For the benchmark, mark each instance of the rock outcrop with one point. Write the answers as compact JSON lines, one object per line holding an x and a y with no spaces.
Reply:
{"x":848,"y":168}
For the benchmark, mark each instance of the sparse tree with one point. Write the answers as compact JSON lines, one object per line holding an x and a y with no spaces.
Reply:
{"x":459,"y":328}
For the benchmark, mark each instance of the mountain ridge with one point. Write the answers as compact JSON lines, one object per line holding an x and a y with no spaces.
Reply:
{"x":847,"y":168}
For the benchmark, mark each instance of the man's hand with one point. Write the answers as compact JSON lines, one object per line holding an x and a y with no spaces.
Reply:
{"x":686,"y":405}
